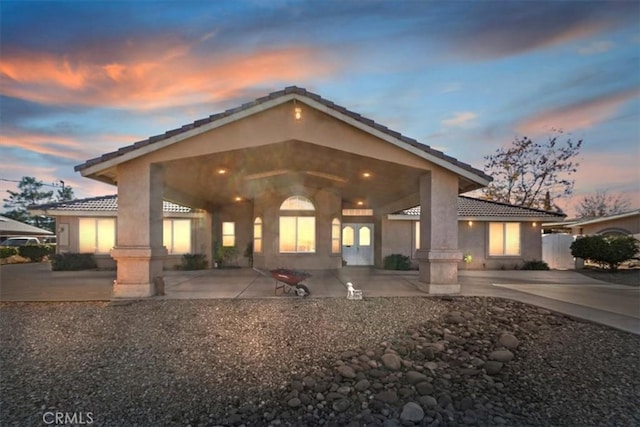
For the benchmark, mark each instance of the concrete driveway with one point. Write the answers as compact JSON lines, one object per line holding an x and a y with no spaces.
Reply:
{"x":567,"y":292}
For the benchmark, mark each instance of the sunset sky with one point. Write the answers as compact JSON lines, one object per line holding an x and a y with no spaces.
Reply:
{"x":79,"y":79}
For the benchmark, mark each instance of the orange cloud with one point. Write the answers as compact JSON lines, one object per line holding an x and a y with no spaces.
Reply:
{"x":61,"y":146}
{"x":175,"y":77}
{"x":581,"y":115}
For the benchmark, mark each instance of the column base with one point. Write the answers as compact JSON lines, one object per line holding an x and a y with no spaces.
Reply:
{"x":139,"y":272}
{"x":439,"y":271}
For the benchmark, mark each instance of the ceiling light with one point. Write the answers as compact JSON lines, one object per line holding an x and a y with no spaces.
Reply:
{"x":238,"y":199}
{"x":366,"y":174}
{"x":360,"y":203}
{"x":222,"y":171}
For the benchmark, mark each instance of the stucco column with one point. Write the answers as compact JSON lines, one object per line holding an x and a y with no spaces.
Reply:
{"x":438,"y":255}
{"x":139,"y":251}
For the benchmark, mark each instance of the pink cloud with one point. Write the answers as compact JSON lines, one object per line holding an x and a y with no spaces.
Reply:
{"x":141,"y":81}
{"x":617,"y":173}
{"x":581,"y":115}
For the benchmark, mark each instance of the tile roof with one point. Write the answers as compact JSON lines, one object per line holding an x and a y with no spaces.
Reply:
{"x":102,"y":204}
{"x":471,"y":207}
{"x":274,"y":95}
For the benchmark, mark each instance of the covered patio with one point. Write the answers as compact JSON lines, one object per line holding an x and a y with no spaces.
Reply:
{"x":301,"y":181}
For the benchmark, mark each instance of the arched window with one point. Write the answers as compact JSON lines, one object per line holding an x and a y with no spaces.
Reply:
{"x":257,"y":235}
{"x":297,"y":203}
{"x":335,"y":236}
{"x":297,"y":225}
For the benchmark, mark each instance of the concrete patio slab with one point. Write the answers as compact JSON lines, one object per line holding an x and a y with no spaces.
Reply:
{"x":566,"y":292}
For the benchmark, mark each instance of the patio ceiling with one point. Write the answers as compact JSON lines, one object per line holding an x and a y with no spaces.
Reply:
{"x":290,"y":166}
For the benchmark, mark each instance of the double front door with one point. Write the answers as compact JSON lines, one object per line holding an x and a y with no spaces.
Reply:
{"x":357,"y":244}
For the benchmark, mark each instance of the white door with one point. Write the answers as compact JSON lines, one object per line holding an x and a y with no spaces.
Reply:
{"x":357,"y":244}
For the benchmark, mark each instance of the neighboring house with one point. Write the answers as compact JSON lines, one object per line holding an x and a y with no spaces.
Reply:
{"x":627,"y":223}
{"x":12,"y":228}
{"x":89,"y":226}
{"x":288,"y":172}
{"x":491,"y":235}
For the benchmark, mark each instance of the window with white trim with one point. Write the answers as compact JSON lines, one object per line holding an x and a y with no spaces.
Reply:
{"x":335,"y":236}
{"x":257,"y":235}
{"x":97,"y":235}
{"x":176,"y":235}
{"x":228,"y":234}
{"x":504,"y":238}
{"x":297,"y":225}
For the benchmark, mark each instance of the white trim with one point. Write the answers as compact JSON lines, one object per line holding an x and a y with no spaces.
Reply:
{"x":402,"y":217}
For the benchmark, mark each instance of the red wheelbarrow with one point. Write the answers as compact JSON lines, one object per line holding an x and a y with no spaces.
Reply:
{"x":288,"y":280}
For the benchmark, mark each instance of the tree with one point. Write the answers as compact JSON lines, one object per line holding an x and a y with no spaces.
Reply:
{"x":532,"y":174}
{"x":607,"y":251}
{"x":601,"y":203}
{"x":31,"y":192}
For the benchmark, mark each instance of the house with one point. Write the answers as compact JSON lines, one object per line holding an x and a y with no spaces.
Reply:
{"x":491,"y":235}
{"x":626,"y":223}
{"x":89,"y":226}
{"x":288,"y":172}
{"x":12,"y":228}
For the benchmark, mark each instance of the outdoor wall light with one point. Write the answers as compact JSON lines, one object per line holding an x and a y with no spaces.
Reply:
{"x":366,"y":174}
{"x":238,"y":199}
{"x":470,"y":223}
{"x":535,"y":224}
{"x":222,"y":171}
{"x":297,"y":113}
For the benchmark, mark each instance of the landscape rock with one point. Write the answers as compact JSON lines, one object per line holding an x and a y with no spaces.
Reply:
{"x":411,"y":411}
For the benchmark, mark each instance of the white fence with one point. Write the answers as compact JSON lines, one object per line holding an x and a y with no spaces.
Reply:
{"x":556,"y":251}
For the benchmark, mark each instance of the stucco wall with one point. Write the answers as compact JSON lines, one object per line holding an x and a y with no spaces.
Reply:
{"x":630,"y":225}
{"x":328,"y":205}
{"x":399,"y":237}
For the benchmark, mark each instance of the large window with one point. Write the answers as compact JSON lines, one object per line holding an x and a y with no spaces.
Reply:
{"x":257,"y":235}
{"x":297,"y":225}
{"x":228,"y":234}
{"x":504,"y":238}
{"x":97,"y":235}
{"x":335,"y":236}
{"x":176,"y":235}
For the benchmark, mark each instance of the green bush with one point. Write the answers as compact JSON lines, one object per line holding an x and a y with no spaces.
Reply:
{"x":35,"y":252}
{"x":397,"y":262}
{"x":6,"y":251}
{"x":73,"y":262}
{"x":606,"y":251}
{"x":193,"y":262}
{"x":535,"y":265}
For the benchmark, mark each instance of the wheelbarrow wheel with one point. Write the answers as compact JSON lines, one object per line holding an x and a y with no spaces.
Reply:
{"x":302,"y":290}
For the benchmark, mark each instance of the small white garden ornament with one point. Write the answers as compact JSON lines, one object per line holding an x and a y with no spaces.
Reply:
{"x":353,"y":293}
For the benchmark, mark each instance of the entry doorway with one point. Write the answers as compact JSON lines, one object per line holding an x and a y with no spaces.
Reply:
{"x":357,"y":244}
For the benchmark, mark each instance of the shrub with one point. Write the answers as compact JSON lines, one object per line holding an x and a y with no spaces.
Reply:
{"x":73,"y":262}
{"x":6,"y":252}
{"x":606,"y":251}
{"x":193,"y":262}
{"x":535,"y":265}
{"x":35,"y":252}
{"x":397,"y":262}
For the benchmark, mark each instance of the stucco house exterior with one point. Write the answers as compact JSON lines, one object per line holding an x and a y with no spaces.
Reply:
{"x":491,"y":235}
{"x":290,"y":170}
{"x":624,"y":224}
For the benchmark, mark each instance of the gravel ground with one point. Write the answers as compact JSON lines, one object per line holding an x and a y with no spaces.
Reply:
{"x":382,"y":361}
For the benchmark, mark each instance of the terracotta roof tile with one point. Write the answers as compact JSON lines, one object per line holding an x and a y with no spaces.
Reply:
{"x":102,"y":204}
{"x":472,"y":207}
